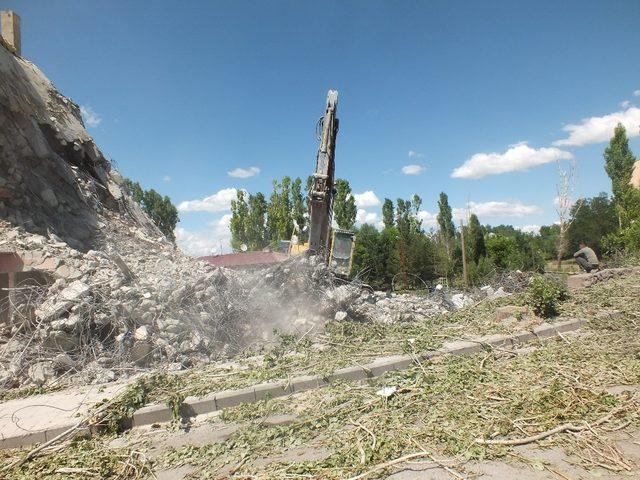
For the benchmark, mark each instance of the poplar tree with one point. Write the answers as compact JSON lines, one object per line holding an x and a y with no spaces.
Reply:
{"x":445,"y":221}
{"x":387,"y":213}
{"x":619,"y":162}
{"x":239,"y":220}
{"x":477,"y":247}
{"x":299,"y":206}
{"x":255,"y":228}
{"x":344,"y":205}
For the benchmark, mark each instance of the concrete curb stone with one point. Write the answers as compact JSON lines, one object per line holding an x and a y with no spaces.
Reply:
{"x":192,"y":406}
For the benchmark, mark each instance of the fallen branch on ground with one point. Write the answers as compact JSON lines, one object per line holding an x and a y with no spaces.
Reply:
{"x":565,"y":427}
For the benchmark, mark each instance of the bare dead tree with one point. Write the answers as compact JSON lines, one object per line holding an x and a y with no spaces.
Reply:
{"x":565,"y":189}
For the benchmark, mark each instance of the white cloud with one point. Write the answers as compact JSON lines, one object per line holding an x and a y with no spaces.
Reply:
{"x":166,"y":178}
{"x":244,"y":172}
{"x":414,"y":154}
{"x":207,"y":242}
{"x":636,"y":93}
{"x":89,"y":116}
{"x":497,"y":209}
{"x":366,"y":199}
{"x":412,"y":169}
{"x":218,"y":202}
{"x":625,"y":104}
{"x":600,"y":129}
{"x":428,"y":219}
{"x":535,"y":229}
{"x":362,"y":216}
{"x":517,"y":157}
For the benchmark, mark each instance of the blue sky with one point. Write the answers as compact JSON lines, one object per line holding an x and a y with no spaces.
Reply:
{"x":181,"y":93}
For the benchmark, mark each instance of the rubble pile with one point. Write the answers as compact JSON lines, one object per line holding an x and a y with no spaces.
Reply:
{"x":94,"y":288}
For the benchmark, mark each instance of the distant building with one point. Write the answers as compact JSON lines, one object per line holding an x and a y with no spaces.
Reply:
{"x":246,"y":260}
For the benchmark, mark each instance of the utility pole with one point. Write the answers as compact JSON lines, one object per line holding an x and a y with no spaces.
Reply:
{"x":465,"y":273}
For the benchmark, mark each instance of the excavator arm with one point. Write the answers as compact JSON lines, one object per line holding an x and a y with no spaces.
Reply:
{"x":321,"y":194}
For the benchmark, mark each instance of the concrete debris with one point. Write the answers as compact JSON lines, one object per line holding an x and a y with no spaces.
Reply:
{"x":340,"y":315}
{"x":578,"y":282}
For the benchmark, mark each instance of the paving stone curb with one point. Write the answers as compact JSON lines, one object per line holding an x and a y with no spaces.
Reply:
{"x":193,"y":406}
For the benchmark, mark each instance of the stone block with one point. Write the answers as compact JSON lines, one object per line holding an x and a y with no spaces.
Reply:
{"x":523,"y":337}
{"x":461,"y":347}
{"x":193,"y":406}
{"x":232,"y":398}
{"x":307,"y":382}
{"x":578,"y":282}
{"x":496,"y":340}
{"x":54,"y":432}
{"x":387,"y":364}
{"x":151,"y":414}
{"x":353,"y":374}
{"x":568,"y":325}
{"x":22,"y":440}
{"x":272,"y":390}
{"x":545,"y":330}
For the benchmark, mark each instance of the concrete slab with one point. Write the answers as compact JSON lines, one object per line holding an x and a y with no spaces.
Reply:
{"x":52,"y":412}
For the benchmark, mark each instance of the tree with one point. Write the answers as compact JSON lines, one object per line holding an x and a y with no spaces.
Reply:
{"x":594,"y":220}
{"x":564,"y":206}
{"x":299,"y":207}
{"x":159,"y":209}
{"x":279,"y":218}
{"x":239,"y":221}
{"x":255,"y":227}
{"x":445,"y":221}
{"x":387,"y":213}
{"x":414,"y":251}
{"x":344,"y":205}
{"x":477,"y":247}
{"x":503,"y":251}
{"x":619,"y":162}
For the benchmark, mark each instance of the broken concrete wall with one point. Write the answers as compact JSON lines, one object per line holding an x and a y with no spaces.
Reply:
{"x":53,"y":178}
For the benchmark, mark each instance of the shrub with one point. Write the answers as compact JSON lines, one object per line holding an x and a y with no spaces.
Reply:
{"x":545,"y":295}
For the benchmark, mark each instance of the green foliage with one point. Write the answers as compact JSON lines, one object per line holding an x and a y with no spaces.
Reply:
{"x":477,"y":247}
{"x":623,"y":242}
{"x":591,"y":221}
{"x":238,"y":223}
{"x":279,"y":218}
{"x":445,"y":220}
{"x":160,"y":209}
{"x":299,"y":209}
{"x":344,"y":205}
{"x":545,"y":295}
{"x":619,"y":161}
{"x":118,"y":414}
{"x":482,"y":271}
{"x":387,"y":214}
{"x":503,"y":251}
{"x":548,"y":239}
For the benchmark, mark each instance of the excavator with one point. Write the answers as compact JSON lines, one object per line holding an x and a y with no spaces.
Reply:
{"x":334,"y":245}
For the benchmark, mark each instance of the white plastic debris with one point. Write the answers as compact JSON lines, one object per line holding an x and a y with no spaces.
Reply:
{"x":387,"y":392}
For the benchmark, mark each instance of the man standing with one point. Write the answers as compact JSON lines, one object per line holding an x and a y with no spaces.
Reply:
{"x":586,"y":258}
